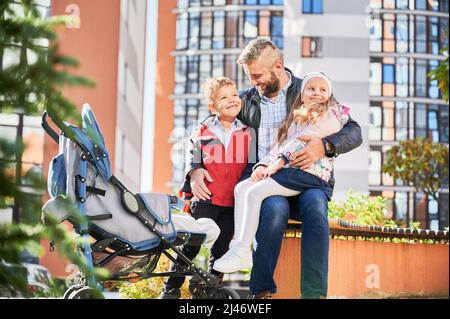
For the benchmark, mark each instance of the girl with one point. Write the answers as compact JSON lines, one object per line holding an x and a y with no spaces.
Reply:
{"x":315,"y":113}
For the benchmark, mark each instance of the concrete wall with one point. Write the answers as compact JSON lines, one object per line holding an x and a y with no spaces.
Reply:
{"x":130,"y":93}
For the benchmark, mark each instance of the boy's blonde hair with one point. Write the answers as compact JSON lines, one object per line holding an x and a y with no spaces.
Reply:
{"x":211,"y":86}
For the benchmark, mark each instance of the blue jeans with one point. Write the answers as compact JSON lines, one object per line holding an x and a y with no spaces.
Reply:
{"x":311,"y":206}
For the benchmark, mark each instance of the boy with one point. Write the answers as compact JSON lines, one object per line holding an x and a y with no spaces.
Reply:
{"x":221,"y":146}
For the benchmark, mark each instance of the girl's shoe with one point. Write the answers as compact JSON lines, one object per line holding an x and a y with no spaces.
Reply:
{"x":235,"y":259}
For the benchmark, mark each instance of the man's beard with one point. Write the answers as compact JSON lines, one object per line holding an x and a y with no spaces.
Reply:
{"x":272,"y":87}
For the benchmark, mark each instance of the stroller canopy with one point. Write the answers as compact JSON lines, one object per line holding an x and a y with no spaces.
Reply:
{"x":91,"y":139}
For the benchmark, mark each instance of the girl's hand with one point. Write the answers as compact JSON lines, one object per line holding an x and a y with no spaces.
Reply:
{"x":259,"y":173}
{"x":275,"y":167}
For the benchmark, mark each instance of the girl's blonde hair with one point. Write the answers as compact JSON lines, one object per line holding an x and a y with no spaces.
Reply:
{"x":301,"y":113}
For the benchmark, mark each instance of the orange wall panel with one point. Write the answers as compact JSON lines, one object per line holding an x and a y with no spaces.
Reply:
{"x":361,"y":268}
{"x":165,"y":70}
{"x":95,"y":45}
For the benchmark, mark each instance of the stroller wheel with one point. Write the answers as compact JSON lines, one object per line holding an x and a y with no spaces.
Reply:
{"x":86,"y":293}
{"x":229,"y":293}
{"x":70,"y":290}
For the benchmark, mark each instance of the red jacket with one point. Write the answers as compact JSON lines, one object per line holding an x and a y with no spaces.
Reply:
{"x":226,"y":167}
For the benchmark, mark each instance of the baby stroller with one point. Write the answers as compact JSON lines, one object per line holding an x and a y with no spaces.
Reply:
{"x":129,"y":231}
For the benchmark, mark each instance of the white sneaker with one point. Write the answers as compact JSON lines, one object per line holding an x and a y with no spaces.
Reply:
{"x":235,"y":259}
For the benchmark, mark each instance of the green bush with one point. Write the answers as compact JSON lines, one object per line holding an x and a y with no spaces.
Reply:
{"x":150,"y":288}
{"x":361,"y":209}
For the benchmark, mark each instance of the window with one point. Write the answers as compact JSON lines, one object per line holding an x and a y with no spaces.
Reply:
{"x":375,"y":159}
{"x":402,"y":4}
{"x":421,"y":78}
{"x":375,"y":77}
{"x":180,"y":74}
{"x":433,"y":88}
{"x":375,"y":36}
{"x":421,"y":120}
{"x":443,"y":123}
{"x":375,"y":121}
{"x":276,"y":30}
{"x":206,"y":30}
{"x":250,"y":25}
{"x":194,"y":29}
{"x":443,"y":6}
{"x":433,"y":129}
{"x":313,"y":6}
{"x":205,"y":68}
{"x":401,"y":77}
{"x":421,"y":34}
{"x":421,"y":4}
{"x":192,"y":84}
{"x":182,"y":29}
{"x":311,"y":47}
{"x":401,"y":33}
{"x":401,"y":120}
{"x":388,"y":73}
{"x":401,"y":206}
{"x":219,"y":30}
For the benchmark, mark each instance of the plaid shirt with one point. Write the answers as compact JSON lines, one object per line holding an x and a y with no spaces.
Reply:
{"x":273,"y":113}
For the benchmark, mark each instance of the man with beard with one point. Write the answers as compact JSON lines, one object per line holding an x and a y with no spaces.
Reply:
{"x":264,"y":108}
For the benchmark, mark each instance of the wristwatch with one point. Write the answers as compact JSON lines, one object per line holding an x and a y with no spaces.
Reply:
{"x":329,"y":148}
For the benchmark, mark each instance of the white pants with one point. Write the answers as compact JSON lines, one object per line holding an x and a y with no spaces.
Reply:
{"x":184,"y":222}
{"x":248,"y":197}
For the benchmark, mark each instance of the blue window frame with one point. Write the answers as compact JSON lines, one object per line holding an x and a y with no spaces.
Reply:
{"x":313,"y":6}
{"x":421,"y":4}
{"x":388,"y":73}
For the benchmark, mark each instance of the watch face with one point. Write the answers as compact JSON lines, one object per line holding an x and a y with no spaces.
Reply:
{"x":328,"y":147}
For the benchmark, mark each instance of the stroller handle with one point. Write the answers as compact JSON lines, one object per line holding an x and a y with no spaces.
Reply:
{"x":48,"y":129}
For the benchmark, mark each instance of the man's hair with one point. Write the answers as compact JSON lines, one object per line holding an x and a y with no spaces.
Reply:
{"x":211,"y":86}
{"x":255,"y":49}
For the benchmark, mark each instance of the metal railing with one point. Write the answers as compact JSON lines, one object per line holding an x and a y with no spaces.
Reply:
{"x":347,"y":228}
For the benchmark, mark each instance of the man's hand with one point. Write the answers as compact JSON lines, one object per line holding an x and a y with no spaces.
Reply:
{"x":198,"y":186}
{"x":313,"y":151}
